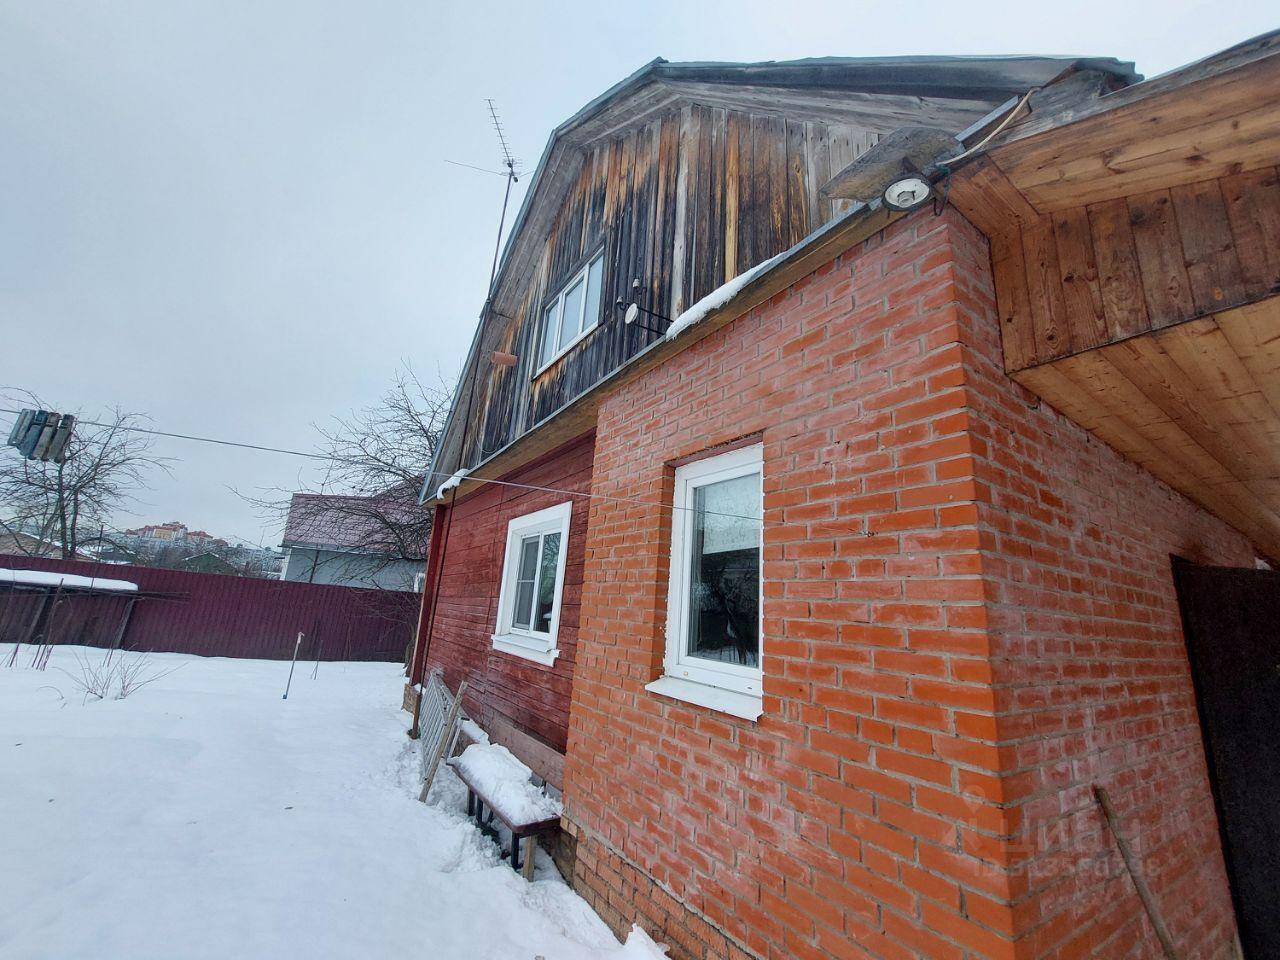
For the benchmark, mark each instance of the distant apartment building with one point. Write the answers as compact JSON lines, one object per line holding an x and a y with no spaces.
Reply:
{"x":175,"y":533}
{"x":175,"y":545}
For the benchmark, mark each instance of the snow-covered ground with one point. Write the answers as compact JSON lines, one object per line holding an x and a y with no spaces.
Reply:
{"x":204,"y":816}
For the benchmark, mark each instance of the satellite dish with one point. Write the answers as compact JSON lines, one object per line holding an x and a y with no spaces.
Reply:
{"x":632,"y":314}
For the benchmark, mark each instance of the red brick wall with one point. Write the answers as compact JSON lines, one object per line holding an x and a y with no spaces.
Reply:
{"x":1090,"y":665}
{"x":533,"y":696}
{"x":899,"y":797}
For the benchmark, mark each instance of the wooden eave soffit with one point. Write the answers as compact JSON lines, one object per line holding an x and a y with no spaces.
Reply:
{"x":1136,"y":257}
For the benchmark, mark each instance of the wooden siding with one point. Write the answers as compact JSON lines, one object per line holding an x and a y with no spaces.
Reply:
{"x":1080,"y":278}
{"x":533,"y":697}
{"x":1136,"y":256}
{"x":683,"y":202}
{"x":1191,"y":125}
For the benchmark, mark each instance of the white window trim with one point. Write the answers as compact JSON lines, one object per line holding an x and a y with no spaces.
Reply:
{"x":559,"y":302}
{"x":726,"y":687}
{"x":508,"y":638}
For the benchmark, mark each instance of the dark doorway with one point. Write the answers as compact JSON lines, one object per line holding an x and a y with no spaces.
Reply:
{"x":1231,"y":618}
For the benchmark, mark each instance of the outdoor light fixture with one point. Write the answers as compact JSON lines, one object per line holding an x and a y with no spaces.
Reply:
{"x":907,"y":193}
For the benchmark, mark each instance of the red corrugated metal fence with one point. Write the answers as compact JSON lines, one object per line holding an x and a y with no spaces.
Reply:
{"x":215,"y":615}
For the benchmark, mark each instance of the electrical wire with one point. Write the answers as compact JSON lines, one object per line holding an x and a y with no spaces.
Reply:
{"x":1008,"y":119}
{"x":188,"y":436}
{"x":511,"y":175}
{"x":634,"y":501}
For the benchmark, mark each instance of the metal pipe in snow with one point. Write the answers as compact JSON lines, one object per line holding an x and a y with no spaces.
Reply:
{"x":296,"y":645}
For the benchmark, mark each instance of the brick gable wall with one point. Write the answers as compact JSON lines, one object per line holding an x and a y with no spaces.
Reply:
{"x":894,"y":801}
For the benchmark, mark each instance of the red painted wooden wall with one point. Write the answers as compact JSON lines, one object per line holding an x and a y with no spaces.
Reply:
{"x":533,"y":697}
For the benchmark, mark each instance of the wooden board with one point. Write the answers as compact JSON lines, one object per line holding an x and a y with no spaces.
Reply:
{"x":1197,"y":404}
{"x":577,"y":417}
{"x":1194,"y":125}
{"x":1084,"y":277}
{"x":683,"y":201}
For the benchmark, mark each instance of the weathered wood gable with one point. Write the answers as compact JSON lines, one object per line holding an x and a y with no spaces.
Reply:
{"x":686,"y":179}
{"x":682,"y":203}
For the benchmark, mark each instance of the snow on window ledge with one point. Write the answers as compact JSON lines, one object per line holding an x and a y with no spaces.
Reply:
{"x":520,"y":646}
{"x":746,"y":706}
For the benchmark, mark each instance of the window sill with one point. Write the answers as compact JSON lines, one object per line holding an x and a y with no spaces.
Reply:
{"x":564,"y":351}
{"x":747,"y":706}
{"x":518,"y":646}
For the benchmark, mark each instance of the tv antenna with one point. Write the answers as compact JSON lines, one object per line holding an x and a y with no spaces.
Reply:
{"x":509,"y":162}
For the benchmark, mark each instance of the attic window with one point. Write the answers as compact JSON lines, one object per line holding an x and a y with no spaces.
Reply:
{"x":572,"y":313}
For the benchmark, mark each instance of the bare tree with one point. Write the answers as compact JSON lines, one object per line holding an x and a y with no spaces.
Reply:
{"x":367,"y":499}
{"x":61,"y":507}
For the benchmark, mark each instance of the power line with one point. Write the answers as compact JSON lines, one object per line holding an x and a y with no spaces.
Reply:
{"x":188,"y":436}
{"x":635,"y":501}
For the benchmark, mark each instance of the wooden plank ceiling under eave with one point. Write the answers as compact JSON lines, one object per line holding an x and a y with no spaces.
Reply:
{"x":1197,"y":404}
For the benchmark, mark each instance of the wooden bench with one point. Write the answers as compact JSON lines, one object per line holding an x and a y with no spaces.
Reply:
{"x":546,"y":763}
{"x":524,"y":835}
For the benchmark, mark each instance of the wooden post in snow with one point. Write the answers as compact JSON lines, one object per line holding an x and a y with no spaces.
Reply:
{"x":297,"y":643}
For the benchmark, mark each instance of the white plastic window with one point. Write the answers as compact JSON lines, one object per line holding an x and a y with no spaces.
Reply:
{"x":714,"y":599}
{"x":572,"y":313}
{"x":532,"y":584}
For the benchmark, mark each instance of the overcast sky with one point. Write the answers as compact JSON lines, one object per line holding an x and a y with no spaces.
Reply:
{"x":236,"y":217}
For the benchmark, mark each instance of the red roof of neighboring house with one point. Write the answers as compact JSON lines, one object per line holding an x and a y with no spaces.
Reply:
{"x":345,"y":522}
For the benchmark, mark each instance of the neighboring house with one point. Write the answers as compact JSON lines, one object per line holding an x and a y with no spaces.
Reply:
{"x":341,"y":540}
{"x":111,"y":552}
{"x":17,"y":543}
{"x":842,"y":593}
{"x":173,"y":545}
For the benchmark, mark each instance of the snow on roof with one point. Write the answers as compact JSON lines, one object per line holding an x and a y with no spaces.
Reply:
{"x":453,"y":481}
{"x":70,"y":581}
{"x":718,"y":297}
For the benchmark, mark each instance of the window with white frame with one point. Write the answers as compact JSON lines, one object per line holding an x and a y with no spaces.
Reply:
{"x":572,"y":313}
{"x":532,"y":583}
{"x":713,"y":608}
